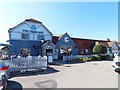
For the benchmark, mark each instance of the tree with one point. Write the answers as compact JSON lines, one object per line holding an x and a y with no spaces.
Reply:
{"x":99,"y":49}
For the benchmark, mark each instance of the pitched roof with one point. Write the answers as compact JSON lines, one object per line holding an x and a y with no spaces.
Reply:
{"x":33,"y":20}
{"x":105,"y":44}
{"x":48,"y":42}
{"x":55,"y":39}
{"x":118,"y":44}
{"x":111,"y":43}
{"x":62,"y":35}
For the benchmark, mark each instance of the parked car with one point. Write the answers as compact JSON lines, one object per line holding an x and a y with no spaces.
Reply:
{"x":4,"y":75}
{"x":116,"y":62}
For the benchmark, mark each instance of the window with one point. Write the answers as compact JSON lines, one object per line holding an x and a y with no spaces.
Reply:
{"x":81,"y":51}
{"x":25,"y":36}
{"x":40,"y":37}
{"x":24,"y":51}
{"x":49,"y":50}
{"x":86,"y":50}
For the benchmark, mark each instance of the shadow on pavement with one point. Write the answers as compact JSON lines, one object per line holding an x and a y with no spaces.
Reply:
{"x":33,"y":72}
{"x":13,"y":85}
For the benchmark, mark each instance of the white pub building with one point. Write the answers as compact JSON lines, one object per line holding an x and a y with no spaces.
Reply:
{"x":31,"y":37}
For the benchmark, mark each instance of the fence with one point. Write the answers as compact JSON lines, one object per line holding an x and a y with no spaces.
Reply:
{"x":24,"y":64}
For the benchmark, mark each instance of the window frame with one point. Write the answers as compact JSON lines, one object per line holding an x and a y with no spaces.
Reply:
{"x":25,"y":38}
{"x":40,"y":36}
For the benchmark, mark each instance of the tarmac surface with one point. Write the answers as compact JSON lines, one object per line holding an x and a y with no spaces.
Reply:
{"x":95,"y":74}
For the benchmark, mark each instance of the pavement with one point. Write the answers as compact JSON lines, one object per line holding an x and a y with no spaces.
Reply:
{"x":95,"y":74}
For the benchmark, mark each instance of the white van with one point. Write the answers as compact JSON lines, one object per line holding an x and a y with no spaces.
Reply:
{"x":116,"y":62}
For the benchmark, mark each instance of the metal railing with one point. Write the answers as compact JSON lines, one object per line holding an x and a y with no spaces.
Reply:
{"x":24,"y":64}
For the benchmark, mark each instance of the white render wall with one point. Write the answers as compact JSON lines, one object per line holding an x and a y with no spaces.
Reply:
{"x":16,"y":33}
{"x":114,"y":48}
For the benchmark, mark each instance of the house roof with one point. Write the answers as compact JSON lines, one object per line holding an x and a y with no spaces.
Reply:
{"x":56,"y":38}
{"x":62,"y":35}
{"x":80,"y":42}
{"x":33,"y":20}
{"x":105,"y":44}
{"x":48,"y":42}
{"x":111,"y":43}
{"x":118,"y":44}
{"x":114,"y":42}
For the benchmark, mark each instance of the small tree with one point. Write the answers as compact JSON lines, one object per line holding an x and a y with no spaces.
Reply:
{"x":99,"y":49}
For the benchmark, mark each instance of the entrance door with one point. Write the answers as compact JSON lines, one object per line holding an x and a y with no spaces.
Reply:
{"x":49,"y":52}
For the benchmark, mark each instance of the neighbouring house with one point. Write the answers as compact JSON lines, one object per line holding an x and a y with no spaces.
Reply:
{"x":112,"y":46}
{"x":31,"y":37}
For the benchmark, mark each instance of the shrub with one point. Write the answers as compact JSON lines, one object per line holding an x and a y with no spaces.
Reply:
{"x":96,"y":57}
{"x":103,"y":57}
{"x":89,"y":59}
{"x":79,"y":59}
{"x":72,"y":60}
{"x":85,"y":59}
{"x":111,"y":56}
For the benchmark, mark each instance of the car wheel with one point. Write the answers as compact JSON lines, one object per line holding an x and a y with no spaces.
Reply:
{"x":5,"y":83}
{"x":5,"y":87}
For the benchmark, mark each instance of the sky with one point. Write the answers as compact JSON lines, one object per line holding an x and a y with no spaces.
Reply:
{"x":89,"y":20}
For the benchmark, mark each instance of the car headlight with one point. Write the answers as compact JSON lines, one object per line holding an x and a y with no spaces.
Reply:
{"x":118,"y":63}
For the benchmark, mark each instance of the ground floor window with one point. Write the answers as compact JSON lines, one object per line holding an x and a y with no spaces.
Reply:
{"x":24,"y":52}
{"x":81,"y":51}
{"x":49,"y":51}
{"x":86,"y":50}
{"x":64,"y":50}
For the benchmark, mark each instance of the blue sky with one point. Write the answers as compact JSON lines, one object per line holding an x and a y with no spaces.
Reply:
{"x":89,"y":20}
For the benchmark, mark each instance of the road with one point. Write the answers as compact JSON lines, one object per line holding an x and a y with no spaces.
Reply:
{"x":98,"y":74}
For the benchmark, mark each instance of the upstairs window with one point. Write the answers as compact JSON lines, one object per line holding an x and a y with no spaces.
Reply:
{"x":81,"y":51}
{"x":86,"y":50}
{"x":40,"y":37}
{"x":25,"y":36}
